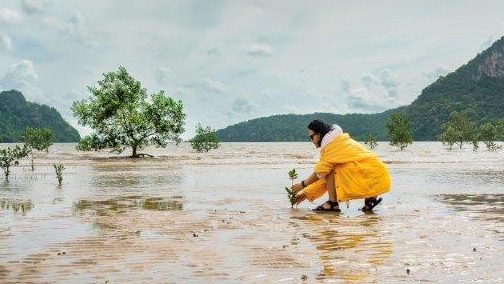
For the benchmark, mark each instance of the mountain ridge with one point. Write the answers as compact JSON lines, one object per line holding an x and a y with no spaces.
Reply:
{"x":16,"y":114}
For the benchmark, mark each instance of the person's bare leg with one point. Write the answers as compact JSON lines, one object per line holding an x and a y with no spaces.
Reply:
{"x":331,"y":189}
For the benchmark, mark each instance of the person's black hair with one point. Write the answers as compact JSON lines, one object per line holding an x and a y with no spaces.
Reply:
{"x":321,"y":128}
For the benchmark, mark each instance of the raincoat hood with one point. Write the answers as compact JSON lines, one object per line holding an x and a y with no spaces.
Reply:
{"x":331,"y":136}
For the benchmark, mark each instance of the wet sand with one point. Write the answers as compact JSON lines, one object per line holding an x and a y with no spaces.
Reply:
{"x":224,"y":217}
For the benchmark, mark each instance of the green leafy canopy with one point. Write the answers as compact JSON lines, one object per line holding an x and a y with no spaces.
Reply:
{"x":399,"y":131}
{"x":205,"y":139}
{"x":122,"y":115}
{"x":39,"y":139}
{"x":10,"y":156}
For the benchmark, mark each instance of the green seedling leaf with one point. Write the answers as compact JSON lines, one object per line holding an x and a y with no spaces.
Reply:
{"x":292,"y":174}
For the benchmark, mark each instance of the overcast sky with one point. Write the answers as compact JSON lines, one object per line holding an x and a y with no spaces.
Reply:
{"x":230,"y":61}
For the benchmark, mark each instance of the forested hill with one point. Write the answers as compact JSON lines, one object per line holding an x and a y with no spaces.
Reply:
{"x":476,"y":87}
{"x":292,"y":127}
{"x":16,"y":114}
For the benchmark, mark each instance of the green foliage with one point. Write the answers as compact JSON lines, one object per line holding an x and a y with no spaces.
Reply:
{"x":399,"y":131}
{"x":10,"y":156}
{"x":293,"y":175}
{"x":205,"y":139}
{"x":462,"y":130}
{"x":290,"y":194}
{"x":448,"y":137}
{"x":59,"y":168}
{"x":371,"y":141}
{"x":87,"y":143}
{"x":122,"y":115}
{"x":16,"y":114}
{"x":37,"y":139}
{"x":499,"y":129}
{"x":488,"y":133}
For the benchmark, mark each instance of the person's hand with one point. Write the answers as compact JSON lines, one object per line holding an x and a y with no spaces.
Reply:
{"x":300,"y":197}
{"x":297,"y":187}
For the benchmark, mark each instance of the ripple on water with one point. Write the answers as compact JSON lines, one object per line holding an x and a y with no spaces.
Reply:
{"x":486,"y":208}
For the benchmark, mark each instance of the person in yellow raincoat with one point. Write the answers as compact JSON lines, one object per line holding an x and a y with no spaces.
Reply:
{"x":347,"y":170}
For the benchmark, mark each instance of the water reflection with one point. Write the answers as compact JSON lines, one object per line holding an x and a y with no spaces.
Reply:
{"x":16,"y":206}
{"x":347,"y":247}
{"x":127,"y":203}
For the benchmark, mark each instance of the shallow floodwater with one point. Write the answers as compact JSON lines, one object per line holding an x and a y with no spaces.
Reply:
{"x":224,"y":217}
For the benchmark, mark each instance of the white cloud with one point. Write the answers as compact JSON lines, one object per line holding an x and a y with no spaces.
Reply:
{"x":260,"y":50}
{"x":376,"y":92}
{"x":35,"y":6}
{"x":242,"y":106}
{"x":433,"y":75}
{"x":75,"y":27}
{"x":163,"y":75}
{"x":10,"y":16}
{"x":214,"y":86}
{"x":6,"y":43}
{"x":20,"y":76}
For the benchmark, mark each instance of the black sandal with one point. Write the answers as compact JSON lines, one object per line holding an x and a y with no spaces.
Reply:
{"x":370,"y":203}
{"x":334,"y":207}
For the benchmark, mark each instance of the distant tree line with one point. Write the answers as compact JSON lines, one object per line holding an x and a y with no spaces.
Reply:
{"x":459,"y":129}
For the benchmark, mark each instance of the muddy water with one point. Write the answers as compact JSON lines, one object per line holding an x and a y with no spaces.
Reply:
{"x":224,"y":217}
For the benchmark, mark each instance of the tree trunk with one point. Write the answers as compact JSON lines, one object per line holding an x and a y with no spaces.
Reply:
{"x":32,"y":158}
{"x":135,"y":155}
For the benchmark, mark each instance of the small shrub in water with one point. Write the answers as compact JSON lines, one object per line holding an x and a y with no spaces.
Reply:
{"x":59,"y":168}
{"x":37,"y":139}
{"x":371,"y":141}
{"x":11,"y":156}
{"x":290,"y":194}
{"x":205,"y":139}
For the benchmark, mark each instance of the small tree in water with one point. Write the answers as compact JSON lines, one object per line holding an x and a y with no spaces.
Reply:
{"x":371,"y":141}
{"x":10,"y":157}
{"x":399,"y":131}
{"x":488,"y":134}
{"x":205,"y":139}
{"x":39,"y":139}
{"x":122,"y":115}
{"x":448,"y":137}
{"x":59,"y":168}
{"x":462,"y":130}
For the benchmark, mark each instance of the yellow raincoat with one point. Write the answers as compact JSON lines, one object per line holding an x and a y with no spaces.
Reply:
{"x":358,"y":172}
